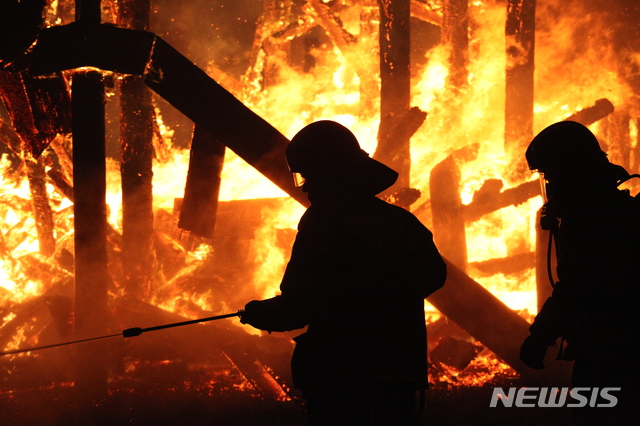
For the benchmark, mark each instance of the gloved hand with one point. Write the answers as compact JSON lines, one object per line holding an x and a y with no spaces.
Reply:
{"x":254,"y":314}
{"x":533,"y":351}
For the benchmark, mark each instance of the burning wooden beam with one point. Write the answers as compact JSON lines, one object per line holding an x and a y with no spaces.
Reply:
{"x":395,"y":86}
{"x":447,"y":211}
{"x":455,"y":33}
{"x":520,"y":40}
{"x":39,"y":107}
{"x":90,"y":220}
{"x":40,"y":202}
{"x":482,"y":315}
{"x":136,"y":144}
{"x":587,"y":116}
{"x":200,"y":204}
{"x":489,"y":198}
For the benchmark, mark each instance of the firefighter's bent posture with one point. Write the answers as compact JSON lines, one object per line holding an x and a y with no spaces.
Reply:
{"x":595,"y":303}
{"x":359,"y":272}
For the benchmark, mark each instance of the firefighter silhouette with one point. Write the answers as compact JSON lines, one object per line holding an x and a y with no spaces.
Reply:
{"x":359,"y":272}
{"x":593,"y":306}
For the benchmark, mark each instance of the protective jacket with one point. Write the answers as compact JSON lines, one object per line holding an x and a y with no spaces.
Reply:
{"x":359,"y":272}
{"x":595,"y":302}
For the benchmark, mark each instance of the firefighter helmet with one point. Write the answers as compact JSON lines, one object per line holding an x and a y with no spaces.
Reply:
{"x":564,"y":145}
{"x":568,"y":153}
{"x":328,"y":153}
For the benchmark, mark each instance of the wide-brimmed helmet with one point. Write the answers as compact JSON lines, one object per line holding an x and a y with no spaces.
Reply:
{"x":567,"y":153}
{"x":564,"y":145}
{"x":328,"y":153}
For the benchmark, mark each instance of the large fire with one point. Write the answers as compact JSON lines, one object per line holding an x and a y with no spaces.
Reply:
{"x":568,"y":78}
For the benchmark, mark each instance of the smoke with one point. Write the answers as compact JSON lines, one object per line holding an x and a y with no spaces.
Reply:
{"x":219,"y":32}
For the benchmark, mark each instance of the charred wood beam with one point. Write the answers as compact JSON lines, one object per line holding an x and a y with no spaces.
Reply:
{"x":61,"y":183}
{"x":227,"y":81}
{"x":482,"y":315}
{"x":136,"y":150}
{"x":447,"y":211}
{"x":395,"y":86}
{"x":489,"y":198}
{"x":520,"y":46}
{"x":455,"y":34}
{"x":136,"y":155}
{"x":90,"y":219}
{"x":39,"y":107}
{"x":200,"y":204}
{"x":40,"y":202}
{"x":587,"y":116}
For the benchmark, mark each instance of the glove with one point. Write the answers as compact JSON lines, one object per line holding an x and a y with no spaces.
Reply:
{"x":533,"y":351}
{"x":254,"y":314}
{"x":275,"y":314}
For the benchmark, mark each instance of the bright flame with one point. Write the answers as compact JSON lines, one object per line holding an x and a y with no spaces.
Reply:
{"x":568,"y":77}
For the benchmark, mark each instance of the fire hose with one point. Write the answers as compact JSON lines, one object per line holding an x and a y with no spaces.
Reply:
{"x":129,"y":332}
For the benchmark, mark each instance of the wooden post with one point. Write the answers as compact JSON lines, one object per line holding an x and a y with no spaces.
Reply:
{"x":136,"y":144}
{"x":520,"y":43}
{"x":200,"y":204}
{"x":40,"y":202}
{"x":455,"y":34}
{"x":395,"y":86}
{"x":446,"y":206}
{"x":90,"y":219}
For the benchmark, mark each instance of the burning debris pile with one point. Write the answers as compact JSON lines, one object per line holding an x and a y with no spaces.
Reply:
{"x":443,"y":91}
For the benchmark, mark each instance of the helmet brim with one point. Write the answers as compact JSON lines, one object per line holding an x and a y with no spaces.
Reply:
{"x":374,"y":176}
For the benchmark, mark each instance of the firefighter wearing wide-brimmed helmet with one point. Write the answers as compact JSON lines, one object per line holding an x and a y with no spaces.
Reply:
{"x":569,"y":158}
{"x":593,"y":307}
{"x":360,"y":269}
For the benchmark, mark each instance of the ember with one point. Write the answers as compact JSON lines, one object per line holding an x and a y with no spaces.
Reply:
{"x":191,"y":229}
